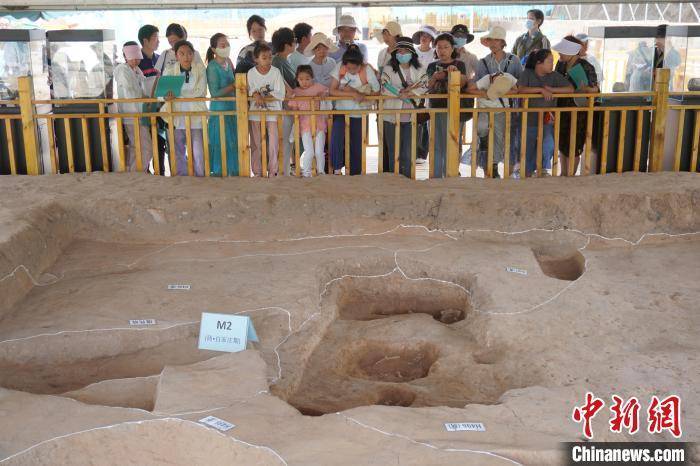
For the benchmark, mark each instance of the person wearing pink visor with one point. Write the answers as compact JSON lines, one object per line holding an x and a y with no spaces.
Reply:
{"x":131,"y":84}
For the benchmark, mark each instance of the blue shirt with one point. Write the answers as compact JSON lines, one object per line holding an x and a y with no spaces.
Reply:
{"x":342,"y":47}
{"x":512,"y":66}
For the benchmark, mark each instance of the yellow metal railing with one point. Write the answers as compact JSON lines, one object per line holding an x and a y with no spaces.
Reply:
{"x":653,"y":106}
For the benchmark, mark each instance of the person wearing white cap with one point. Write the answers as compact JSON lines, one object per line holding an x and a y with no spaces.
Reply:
{"x":390,"y":33}
{"x":131,"y":84}
{"x":497,"y":68}
{"x":583,"y":77}
{"x":589,"y":58}
{"x":424,"y":38}
{"x":346,"y":31}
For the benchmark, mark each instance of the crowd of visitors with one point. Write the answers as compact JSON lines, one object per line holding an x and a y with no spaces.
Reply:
{"x":298,"y":63}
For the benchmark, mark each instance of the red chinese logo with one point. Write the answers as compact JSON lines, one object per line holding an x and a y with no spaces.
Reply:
{"x":661,"y":415}
{"x":665,"y":415}
{"x":587,"y":412}
{"x":624,"y":415}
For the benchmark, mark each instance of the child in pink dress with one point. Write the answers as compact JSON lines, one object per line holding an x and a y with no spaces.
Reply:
{"x":313,"y":146}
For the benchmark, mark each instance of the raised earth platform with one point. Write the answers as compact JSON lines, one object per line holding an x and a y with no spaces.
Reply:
{"x":385,"y":308}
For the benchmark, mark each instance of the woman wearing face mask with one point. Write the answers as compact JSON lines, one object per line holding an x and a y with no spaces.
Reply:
{"x":533,"y":39}
{"x":174,"y":33}
{"x":403,"y":74}
{"x":462,"y":37}
{"x":569,"y":59}
{"x":222,"y":83}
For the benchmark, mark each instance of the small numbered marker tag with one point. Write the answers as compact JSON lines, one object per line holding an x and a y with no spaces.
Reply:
{"x":217,"y":423}
{"x":142,"y":322}
{"x":465,"y":426}
{"x":179,"y":287}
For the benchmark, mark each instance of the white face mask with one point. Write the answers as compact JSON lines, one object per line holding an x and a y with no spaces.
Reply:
{"x":223,"y":53}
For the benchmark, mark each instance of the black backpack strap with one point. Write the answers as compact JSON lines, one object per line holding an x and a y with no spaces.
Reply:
{"x":483,"y":60}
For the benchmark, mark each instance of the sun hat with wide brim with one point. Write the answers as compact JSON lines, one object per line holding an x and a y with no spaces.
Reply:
{"x":500,"y":86}
{"x":319,"y":39}
{"x":566,"y":47}
{"x":407,"y":44}
{"x":345,"y":21}
{"x":462,"y":30}
{"x":496,"y":32}
{"x":424,"y":29}
{"x":393,"y":28}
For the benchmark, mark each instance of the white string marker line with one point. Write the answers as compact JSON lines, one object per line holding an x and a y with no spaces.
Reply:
{"x":29,"y":275}
{"x":429,"y":445}
{"x":284,"y":339}
{"x":177,"y":243}
{"x":209,"y":410}
{"x":398,"y":268}
{"x":113,"y":329}
{"x":146,"y":421}
{"x":283,"y":240}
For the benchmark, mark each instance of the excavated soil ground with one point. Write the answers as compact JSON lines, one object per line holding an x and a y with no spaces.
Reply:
{"x":384,"y":308}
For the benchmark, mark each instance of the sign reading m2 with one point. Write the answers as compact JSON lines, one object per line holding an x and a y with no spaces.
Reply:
{"x":223,"y":325}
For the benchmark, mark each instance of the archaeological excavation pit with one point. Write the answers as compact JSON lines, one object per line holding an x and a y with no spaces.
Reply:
{"x":400,"y":341}
{"x":383,"y":363}
{"x":560,"y":262}
{"x":378,"y":298}
{"x":359,"y":309}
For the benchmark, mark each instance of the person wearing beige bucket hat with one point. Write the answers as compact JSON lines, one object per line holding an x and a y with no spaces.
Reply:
{"x":390,"y":33}
{"x":345,"y":31}
{"x":496,"y":75}
{"x":322,"y":65}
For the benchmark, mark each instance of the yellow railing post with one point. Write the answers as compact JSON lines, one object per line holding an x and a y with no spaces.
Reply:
{"x":453,"y":142}
{"x":660,"y":104}
{"x":31,"y":144}
{"x":242,"y":123}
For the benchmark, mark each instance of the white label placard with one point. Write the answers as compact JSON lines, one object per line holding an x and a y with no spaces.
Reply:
{"x":179,"y":287}
{"x":516,"y":270}
{"x":142,"y":322}
{"x":224,"y":332}
{"x":465,"y":426}
{"x":217,"y":423}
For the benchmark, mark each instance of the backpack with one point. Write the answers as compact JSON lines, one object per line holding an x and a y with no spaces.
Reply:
{"x":362,"y":74}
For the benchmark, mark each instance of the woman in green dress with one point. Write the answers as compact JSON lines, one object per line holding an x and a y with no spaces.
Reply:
{"x":222,"y":83}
